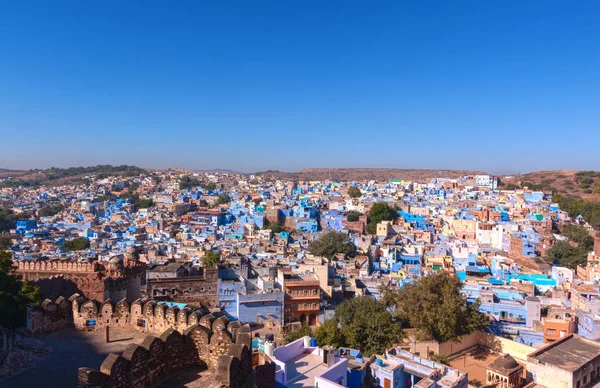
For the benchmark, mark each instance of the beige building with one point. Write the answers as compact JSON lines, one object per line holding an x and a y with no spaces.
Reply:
{"x":570,"y":362}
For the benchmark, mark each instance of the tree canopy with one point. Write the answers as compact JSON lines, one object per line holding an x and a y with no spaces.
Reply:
{"x":223,"y":199}
{"x":138,"y":203}
{"x":589,"y":210}
{"x":380,"y":211}
{"x":76,"y":244}
{"x":331,"y":243}
{"x":353,"y":216}
{"x":210,"y":186}
{"x":361,"y":323}
{"x":187,"y":182}
{"x":211,"y":258}
{"x":292,"y":336}
{"x":435,"y":307}
{"x":276,"y":227}
{"x":580,"y":235}
{"x":5,"y":242}
{"x":14,"y":294}
{"x":50,"y":210}
{"x":8,"y":219}
{"x":565,"y":255}
{"x":354,"y":192}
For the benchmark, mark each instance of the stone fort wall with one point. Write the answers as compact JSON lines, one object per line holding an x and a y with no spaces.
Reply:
{"x":58,"y":278}
{"x":16,"y":352}
{"x":187,"y":338}
{"x":56,"y":266}
{"x":147,"y":316}
{"x":228,"y":360}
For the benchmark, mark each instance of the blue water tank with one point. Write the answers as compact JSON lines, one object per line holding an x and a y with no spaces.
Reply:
{"x":379,"y":362}
{"x":313,"y":342}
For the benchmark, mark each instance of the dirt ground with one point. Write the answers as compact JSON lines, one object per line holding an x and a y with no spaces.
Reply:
{"x":475,"y":364}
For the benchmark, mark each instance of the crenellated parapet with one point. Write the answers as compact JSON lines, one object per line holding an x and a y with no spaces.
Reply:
{"x":227,"y":357}
{"x":57,"y":266}
{"x":93,"y":280}
{"x":148,"y":316}
{"x":188,"y":337}
{"x":49,"y":315}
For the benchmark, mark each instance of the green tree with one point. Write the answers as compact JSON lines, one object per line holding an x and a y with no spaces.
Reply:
{"x":276,"y":227}
{"x":137,"y":202}
{"x":565,"y":255}
{"x":331,"y":243}
{"x":5,"y":242}
{"x":210,"y":186}
{"x":435,"y":307}
{"x":50,"y":210}
{"x":76,"y":244}
{"x":329,"y":333}
{"x":187,"y":183}
{"x":292,"y":336}
{"x":223,"y":199}
{"x":8,"y":219}
{"x":14,"y":294}
{"x":440,"y":358}
{"x":361,"y":323}
{"x":580,"y":235}
{"x":589,"y":210}
{"x":380,"y":211}
{"x":211,"y":259}
{"x":354,"y":192}
{"x":102,"y":198}
{"x":353,"y":216}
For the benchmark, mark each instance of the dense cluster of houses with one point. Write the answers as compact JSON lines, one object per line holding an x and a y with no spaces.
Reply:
{"x":492,"y":239}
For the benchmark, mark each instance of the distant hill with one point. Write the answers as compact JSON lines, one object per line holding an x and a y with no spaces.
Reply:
{"x":221,"y":170}
{"x":60,"y":176}
{"x":5,"y":173}
{"x":361,"y":174}
{"x":569,"y":183}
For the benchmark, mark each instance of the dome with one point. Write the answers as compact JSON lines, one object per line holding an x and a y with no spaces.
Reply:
{"x":505,"y":363}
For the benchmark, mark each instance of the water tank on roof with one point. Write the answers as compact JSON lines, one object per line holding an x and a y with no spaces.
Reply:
{"x":269,"y":348}
{"x":379,"y":362}
{"x":307,"y":342}
{"x":313,"y":342}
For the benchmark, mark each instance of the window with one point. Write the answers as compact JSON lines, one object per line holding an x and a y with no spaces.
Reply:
{"x":578,"y":384}
{"x":584,"y":380}
{"x":551,"y":331}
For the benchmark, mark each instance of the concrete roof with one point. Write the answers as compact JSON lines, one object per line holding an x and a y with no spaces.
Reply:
{"x":569,"y":353}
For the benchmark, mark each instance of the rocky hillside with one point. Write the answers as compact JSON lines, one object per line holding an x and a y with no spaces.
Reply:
{"x":58,"y":176}
{"x":361,"y":174}
{"x":569,"y":183}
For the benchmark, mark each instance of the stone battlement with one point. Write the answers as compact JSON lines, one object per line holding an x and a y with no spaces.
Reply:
{"x":147,"y":316}
{"x":229,"y":361}
{"x":188,"y":337}
{"x":56,"y":266}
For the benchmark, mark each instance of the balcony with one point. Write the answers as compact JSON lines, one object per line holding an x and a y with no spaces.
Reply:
{"x":301,"y":308}
{"x":301,"y":283}
{"x":308,"y":296}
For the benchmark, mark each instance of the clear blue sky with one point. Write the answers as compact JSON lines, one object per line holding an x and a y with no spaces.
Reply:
{"x":251,"y":85}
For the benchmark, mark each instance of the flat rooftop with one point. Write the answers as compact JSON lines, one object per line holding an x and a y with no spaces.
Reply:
{"x":302,"y":369}
{"x":569,"y":353}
